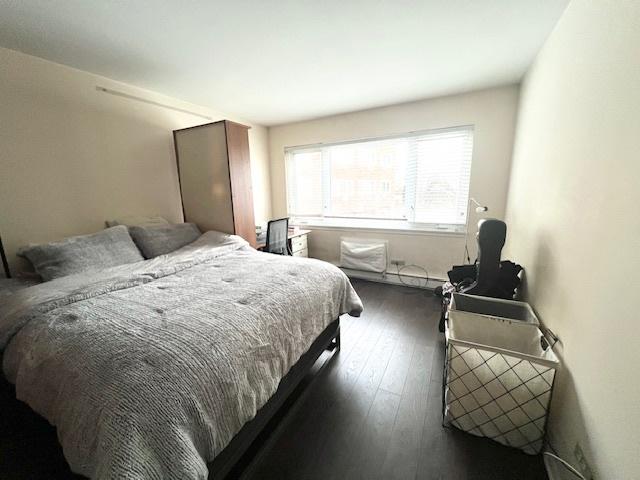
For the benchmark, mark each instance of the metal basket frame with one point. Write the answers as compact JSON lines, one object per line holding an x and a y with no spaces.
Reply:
{"x":498,"y":424}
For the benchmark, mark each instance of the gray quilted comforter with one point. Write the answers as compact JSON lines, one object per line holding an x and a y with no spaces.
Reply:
{"x":149,"y":369}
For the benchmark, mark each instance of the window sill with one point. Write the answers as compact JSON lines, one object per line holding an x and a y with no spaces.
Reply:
{"x":384,"y":226}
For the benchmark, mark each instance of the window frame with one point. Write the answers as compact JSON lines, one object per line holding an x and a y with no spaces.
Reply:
{"x":402,"y":225}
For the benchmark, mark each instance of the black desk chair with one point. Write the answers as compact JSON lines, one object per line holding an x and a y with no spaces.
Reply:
{"x":277,"y":237}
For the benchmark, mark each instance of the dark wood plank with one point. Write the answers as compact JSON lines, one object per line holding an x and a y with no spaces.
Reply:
{"x":403,"y":454}
{"x":398,"y":367}
{"x":438,"y":361}
{"x":346,"y":424}
{"x":373,"y":438}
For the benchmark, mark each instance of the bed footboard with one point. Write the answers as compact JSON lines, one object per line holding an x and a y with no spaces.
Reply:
{"x":230,"y":462}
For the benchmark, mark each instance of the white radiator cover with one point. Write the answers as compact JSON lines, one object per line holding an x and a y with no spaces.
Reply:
{"x":364,"y":254}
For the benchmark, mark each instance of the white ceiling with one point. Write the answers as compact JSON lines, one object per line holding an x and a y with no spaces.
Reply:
{"x":276,"y":61}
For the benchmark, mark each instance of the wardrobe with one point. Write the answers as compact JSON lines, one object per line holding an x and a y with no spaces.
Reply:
{"x":215,"y":177}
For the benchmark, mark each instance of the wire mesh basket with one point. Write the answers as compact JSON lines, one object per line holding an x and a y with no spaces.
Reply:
{"x":498,"y":378}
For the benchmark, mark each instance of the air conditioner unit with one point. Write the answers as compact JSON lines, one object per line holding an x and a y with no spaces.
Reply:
{"x":364,"y":254}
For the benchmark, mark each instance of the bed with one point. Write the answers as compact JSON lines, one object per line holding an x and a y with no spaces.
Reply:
{"x":170,"y":367}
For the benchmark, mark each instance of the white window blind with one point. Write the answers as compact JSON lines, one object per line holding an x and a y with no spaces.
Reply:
{"x":418,"y":179}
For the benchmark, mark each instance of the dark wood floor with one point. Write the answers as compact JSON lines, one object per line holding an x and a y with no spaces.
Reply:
{"x":373,"y":411}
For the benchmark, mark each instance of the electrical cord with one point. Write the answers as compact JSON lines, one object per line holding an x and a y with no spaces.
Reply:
{"x":406,"y":284}
{"x":399,"y":274}
{"x":566,"y":464}
{"x":467,"y":255}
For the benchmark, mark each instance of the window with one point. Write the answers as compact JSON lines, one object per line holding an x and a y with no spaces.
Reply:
{"x":414,"y":181}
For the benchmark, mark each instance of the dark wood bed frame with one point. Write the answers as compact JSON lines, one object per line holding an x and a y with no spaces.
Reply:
{"x":232,"y":456}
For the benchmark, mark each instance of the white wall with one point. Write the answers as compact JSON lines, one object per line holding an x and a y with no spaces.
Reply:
{"x":574,"y":225}
{"x":493,"y":112}
{"x":72,"y":157}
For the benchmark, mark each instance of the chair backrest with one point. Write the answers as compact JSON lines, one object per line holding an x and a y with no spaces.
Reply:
{"x":491,"y":236}
{"x":277,"y":233}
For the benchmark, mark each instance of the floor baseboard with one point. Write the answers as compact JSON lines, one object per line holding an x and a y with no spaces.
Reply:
{"x":408,"y":280}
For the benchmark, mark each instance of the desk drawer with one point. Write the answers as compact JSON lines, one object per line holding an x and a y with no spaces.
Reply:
{"x":299,"y":243}
{"x":301,"y":253}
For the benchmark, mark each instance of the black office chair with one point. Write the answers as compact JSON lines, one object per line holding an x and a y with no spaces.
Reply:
{"x":277,"y":237}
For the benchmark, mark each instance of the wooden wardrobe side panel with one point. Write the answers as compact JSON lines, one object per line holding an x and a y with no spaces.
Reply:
{"x":241,"y":186}
{"x":204,"y":177}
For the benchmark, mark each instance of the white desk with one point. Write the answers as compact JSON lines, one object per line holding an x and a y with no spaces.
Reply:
{"x":297,"y":242}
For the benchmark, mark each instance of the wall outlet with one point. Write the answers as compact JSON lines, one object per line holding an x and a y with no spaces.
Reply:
{"x":397,"y":261}
{"x":583,"y":465}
